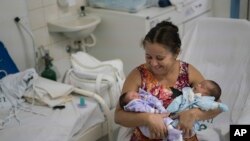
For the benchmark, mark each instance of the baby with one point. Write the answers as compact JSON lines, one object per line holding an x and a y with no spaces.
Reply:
{"x":203,"y":96}
{"x":143,"y":101}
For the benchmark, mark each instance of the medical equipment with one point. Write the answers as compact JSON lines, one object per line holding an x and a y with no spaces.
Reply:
{"x":48,"y":72}
{"x":82,"y":102}
{"x":114,"y":33}
{"x":20,"y":23}
{"x":82,"y":11}
{"x":219,"y":48}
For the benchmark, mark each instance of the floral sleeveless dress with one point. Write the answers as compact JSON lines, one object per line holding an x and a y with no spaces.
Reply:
{"x":150,"y":84}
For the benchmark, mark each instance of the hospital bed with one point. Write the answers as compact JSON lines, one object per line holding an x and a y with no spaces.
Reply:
{"x":219,"y":48}
{"x":68,"y":122}
{"x":72,"y":123}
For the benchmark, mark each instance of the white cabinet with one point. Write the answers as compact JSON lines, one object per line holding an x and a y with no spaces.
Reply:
{"x":199,"y":9}
{"x":119,"y":34}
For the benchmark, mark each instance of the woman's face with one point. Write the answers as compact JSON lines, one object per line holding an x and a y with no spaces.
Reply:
{"x":159,"y":59}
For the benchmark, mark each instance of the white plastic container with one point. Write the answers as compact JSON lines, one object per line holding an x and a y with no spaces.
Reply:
{"x":131,"y":6}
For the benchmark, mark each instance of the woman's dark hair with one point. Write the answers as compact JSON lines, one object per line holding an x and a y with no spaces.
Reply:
{"x":164,"y":33}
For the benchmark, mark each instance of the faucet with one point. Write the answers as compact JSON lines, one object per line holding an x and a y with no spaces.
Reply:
{"x":82,"y":11}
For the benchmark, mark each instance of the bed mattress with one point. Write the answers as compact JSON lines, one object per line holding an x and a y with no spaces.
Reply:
{"x":53,"y":125}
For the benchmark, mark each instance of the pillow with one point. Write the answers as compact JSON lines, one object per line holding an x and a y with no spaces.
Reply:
{"x":7,"y":65}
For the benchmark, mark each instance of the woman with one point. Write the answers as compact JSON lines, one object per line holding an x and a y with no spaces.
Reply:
{"x":161,"y":71}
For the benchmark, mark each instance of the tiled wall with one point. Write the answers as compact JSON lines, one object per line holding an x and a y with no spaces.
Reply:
{"x":15,"y":39}
{"x":41,"y":11}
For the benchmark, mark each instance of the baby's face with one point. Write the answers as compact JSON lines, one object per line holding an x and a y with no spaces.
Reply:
{"x":202,"y":88}
{"x":132,"y":95}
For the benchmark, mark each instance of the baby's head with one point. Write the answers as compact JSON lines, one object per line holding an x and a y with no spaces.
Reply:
{"x":125,"y":98}
{"x":208,"y":88}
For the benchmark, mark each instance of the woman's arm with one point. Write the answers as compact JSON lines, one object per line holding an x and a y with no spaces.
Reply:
{"x":194,"y":76}
{"x":130,"y":119}
{"x":154,"y":122}
{"x":188,"y":117}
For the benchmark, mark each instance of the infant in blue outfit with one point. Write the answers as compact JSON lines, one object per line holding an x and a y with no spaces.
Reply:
{"x":204,"y":96}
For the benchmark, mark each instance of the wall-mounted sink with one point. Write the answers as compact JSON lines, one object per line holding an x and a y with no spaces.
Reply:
{"x":75,"y":27}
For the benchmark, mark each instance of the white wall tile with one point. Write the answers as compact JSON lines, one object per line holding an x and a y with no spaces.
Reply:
{"x":84,"y":2}
{"x":51,"y":12}
{"x":16,"y":40}
{"x":10,"y":9}
{"x":56,"y":37}
{"x":80,"y":2}
{"x":42,"y":36}
{"x":63,"y":12}
{"x":42,"y":11}
{"x":49,"y":2}
{"x":33,"y":4}
{"x":60,"y":67}
{"x":58,"y":50}
{"x":74,"y":10}
{"x":37,"y":18}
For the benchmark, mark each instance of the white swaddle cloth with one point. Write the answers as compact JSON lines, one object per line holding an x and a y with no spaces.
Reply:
{"x":53,"y":88}
{"x":50,"y":92}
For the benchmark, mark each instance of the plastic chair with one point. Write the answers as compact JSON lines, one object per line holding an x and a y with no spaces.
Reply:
{"x":219,"y":48}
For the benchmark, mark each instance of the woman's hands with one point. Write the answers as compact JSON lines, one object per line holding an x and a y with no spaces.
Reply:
{"x":186,"y":122}
{"x":156,"y":125}
{"x":188,"y":117}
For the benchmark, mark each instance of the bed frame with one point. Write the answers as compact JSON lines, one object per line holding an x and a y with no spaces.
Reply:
{"x":101,"y":129}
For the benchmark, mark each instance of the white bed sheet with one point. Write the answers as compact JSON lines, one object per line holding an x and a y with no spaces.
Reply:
{"x":57,"y":125}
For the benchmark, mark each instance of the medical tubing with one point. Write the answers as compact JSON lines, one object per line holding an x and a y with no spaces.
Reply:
{"x":93,"y":38}
{"x":21,"y":24}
